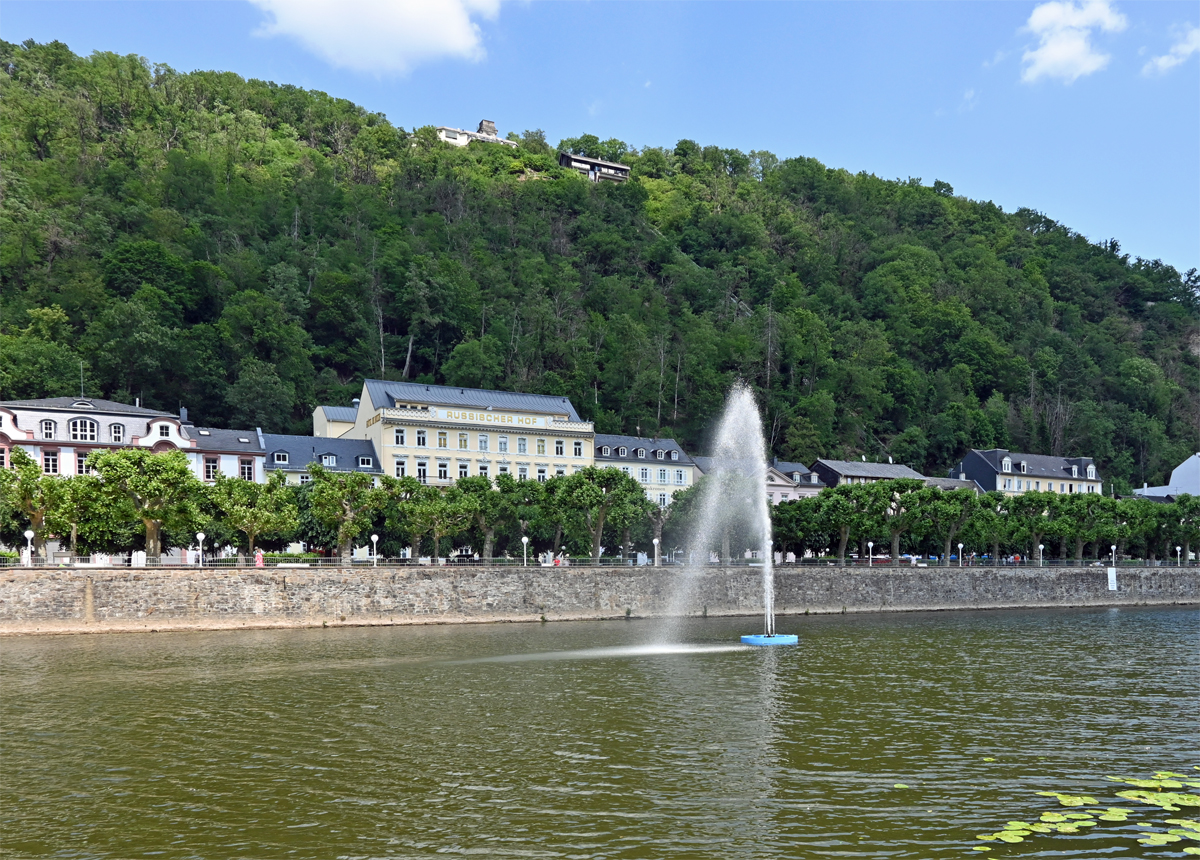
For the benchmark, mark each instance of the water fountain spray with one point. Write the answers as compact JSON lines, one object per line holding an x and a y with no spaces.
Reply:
{"x":733,"y":508}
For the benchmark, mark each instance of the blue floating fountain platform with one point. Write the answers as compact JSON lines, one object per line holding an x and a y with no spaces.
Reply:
{"x":777,"y":639}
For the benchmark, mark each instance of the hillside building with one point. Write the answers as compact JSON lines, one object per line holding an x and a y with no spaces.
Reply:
{"x":292,"y":455}
{"x":486,"y":133}
{"x":659,"y":465}
{"x":835,"y":472}
{"x":440,"y":433}
{"x":593,"y":168}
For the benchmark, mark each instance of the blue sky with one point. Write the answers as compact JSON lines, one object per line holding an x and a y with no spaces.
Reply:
{"x":1086,"y":110}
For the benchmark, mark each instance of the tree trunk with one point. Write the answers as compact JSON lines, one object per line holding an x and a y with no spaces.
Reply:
{"x":946,"y":550}
{"x":895,"y":548}
{"x":74,"y":540}
{"x":1079,"y":551}
{"x":597,"y":534}
{"x":843,"y":539}
{"x":626,"y":540}
{"x":995,"y":553}
{"x":557,"y":539}
{"x":345,"y":548}
{"x":437,"y":542}
{"x":489,"y":538}
{"x":415,"y":552}
{"x":153,"y":538}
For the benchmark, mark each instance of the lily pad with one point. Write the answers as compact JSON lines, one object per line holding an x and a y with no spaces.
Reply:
{"x":1191,"y":849}
{"x":989,"y":759}
{"x":1010,"y":837}
{"x":981,"y":848}
{"x":1185,"y":834}
{"x":1112,"y":816}
{"x":899,"y":785}
{"x":986,"y":837}
{"x":1185,"y":822}
{"x":1053,"y":817}
{"x":1159,"y":839}
{"x":1068,"y":828}
{"x":1082,"y":816}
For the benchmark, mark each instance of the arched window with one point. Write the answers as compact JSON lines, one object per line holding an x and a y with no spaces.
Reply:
{"x":116,"y":432}
{"x":1006,"y":465}
{"x":622,"y":451}
{"x":47,"y":429}
{"x":1091,"y":473}
{"x":660,"y":453}
{"x":674,"y":455}
{"x":605,"y":451}
{"x":83,"y":430}
{"x":641,"y":452}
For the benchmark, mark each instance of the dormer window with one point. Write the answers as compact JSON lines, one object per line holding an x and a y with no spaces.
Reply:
{"x":622,"y":451}
{"x":1006,"y":465}
{"x":605,"y":451}
{"x":1024,"y":467}
{"x":796,"y":477}
{"x":47,"y":429}
{"x":674,"y":455}
{"x":365,"y":462}
{"x":328,"y":460}
{"x":641,"y":452}
{"x":1074,"y":471}
{"x":661,"y":454}
{"x":281,"y":458}
{"x":116,"y":432}
{"x":1091,"y":473}
{"x":164,"y":430}
{"x":83,"y":430}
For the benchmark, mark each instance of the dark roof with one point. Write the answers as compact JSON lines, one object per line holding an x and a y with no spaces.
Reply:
{"x":217,"y":439}
{"x":1036,"y":464}
{"x":952,"y":484}
{"x":590,"y":160}
{"x":88,"y":404}
{"x":634,"y":442}
{"x":858,"y":469}
{"x":788,"y":468}
{"x":302,"y":450}
{"x":385,"y":395}
{"x":704,"y":464}
{"x":340,"y":413}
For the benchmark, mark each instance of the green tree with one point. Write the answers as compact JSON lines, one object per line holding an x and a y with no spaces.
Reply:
{"x":160,"y":488}
{"x":946,"y":512}
{"x":441,"y":514}
{"x":596,"y":495}
{"x":345,"y":501}
{"x":30,"y":494}
{"x":255,"y":509}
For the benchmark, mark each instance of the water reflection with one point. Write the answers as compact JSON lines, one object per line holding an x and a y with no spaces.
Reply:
{"x":568,"y":740}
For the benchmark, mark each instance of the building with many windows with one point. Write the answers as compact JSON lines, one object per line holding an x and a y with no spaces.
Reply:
{"x":659,"y":465}
{"x":60,"y":433}
{"x":1013,"y":473}
{"x":440,"y":433}
{"x":292,"y":454}
{"x":486,"y":133}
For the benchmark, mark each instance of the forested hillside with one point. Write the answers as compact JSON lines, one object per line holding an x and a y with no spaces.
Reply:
{"x":249,"y":250}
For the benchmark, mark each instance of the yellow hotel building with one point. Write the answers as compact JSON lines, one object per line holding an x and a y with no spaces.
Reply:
{"x":439,"y":433}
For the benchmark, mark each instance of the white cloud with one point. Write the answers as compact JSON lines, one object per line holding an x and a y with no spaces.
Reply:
{"x":1187,"y":45}
{"x":1064,"y":32}
{"x":381,"y":36}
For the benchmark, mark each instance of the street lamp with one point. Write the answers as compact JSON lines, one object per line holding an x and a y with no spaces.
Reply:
{"x":960,"y":555}
{"x":29,"y":547}
{"x":375,"y":550}
{"x":1178,"y":557}
{"x":870,"y":553}
{"x":1041,"y":547}
{"x":1114,"y":554}
{"x":656,"y":562}
{"x":525,"y":550}
{"x":200,"y":540}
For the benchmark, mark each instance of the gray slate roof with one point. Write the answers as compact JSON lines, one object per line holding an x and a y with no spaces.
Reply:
{"x":302,"y":450}
{"x":789,"y":468}
{"x":704,"y":464}
{"x":953,"y":484}
{"x":218,"y":439}
{"x":97,"y":405}
{"x":858,"y":469}
{"x":340,"y":413}
{"x":1041,"y":465}
{"x":385,"y":395}
{"x":633,"y":443}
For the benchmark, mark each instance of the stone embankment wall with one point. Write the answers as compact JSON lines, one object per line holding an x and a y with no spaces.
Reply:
{"x":60,"y":600}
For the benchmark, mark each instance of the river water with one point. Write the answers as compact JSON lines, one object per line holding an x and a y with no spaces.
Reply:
{"x":576,"y":740}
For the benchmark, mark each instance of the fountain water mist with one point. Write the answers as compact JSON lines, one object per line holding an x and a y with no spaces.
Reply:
{"x":732,"y":509}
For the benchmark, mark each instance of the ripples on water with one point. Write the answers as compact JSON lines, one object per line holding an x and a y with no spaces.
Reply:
{"x":581,"y":741}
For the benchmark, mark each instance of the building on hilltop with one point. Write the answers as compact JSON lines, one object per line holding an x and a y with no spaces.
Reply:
{"x":60,"y":432}
{"x":1185,"y":478}
{"x":593,"y":168}
{"x":292,"y":455}
{"x":1014,"y":473}
{"x":486,"y":133}
{"x":440,"y":433}
{"x":835,"y":472}
{"x":661,"y":466}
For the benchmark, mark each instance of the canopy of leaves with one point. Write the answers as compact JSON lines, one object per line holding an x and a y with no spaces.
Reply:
{"x":250,"y":249}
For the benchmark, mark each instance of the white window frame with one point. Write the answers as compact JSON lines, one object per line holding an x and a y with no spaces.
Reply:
{"x":578,"y":449}
{"x":541,"y":474}
{"x":444,"y":439}
{"x":662,"y":500}
{"x":164,"y":431}
{"x":399,"y":437}
{"x":641,"y":453}
{"x":674,"y":455}
{"x":483,"y":441}
{"x":644,"y":475}
{"x":116,"y":433}
{"x":212,"y":468}
{"x":502,"y":444}
{"x":422,"y":439}
{"x":661,"y":454}
{"x":662,"y":476}
{"x":560,"y":448}
{"x":622,"y":451}
{"x":1091,"y":473}
{"x":84,"y":430}
{"x":47,"y":429}
{"x":401,"y":468}
{"x":522,"y":445}
{"x":522,"y":473}
{"x":1006,"y":465}
{"x":605,"y":451}
{"x":329,"y":461}
{"x":679,"y":477}
{"x":541,"y":447}
{"x":280,"y":458}
{"x":244,"y":466}
{"x":81,"y":466}
{"x":443,"y":470}
{"x":423,"y":471}
{"x":484,"y":471}
{"x":464,"y":442}
{"x":464,"y":469}
{"x":366,"y":462}
{"x":50,"y":463}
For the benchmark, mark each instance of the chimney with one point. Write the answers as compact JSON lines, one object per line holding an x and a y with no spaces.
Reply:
{"x":355,"y":402}
{"x":183,"y":415}
{"x":486,"y":126}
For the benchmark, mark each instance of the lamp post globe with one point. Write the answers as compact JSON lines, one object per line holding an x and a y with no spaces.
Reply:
{"x":525,"y":550}
{"x":1178,"y":556}
{"x":29,"y":547}
{"x":375,"y":550}
{"x":200,"y":536}
{"x":656,"y":561}
{"x":870,"y":553}
{"x":1041,"y":547}
{"x":1114,"y":554}
{"x":960,"y":546}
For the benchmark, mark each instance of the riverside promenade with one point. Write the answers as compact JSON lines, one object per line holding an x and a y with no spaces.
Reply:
{"x":122,"y":599}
